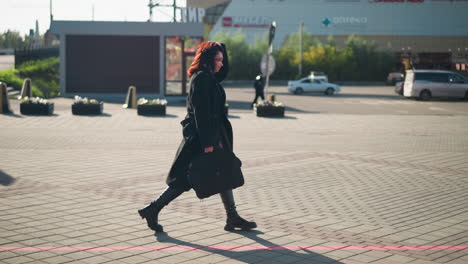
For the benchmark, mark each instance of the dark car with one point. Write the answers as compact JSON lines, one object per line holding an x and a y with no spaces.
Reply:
{"x":395,"y":77}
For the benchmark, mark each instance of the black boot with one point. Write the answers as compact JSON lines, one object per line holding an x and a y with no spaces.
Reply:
{"x":150,"y":212}
{"x":233,"y":218}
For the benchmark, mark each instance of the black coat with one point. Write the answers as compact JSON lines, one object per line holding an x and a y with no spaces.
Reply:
{"x":259,"y":85}
{"x":205,"y":125}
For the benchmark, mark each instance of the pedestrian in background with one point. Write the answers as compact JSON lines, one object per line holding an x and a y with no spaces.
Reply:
{"x":259,"y":85}
{"x":205,"y":128}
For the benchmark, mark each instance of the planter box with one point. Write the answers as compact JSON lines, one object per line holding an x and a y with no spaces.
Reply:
{"x":150,"y":110}
{"x":87,"y":109}
{"x":270,"y":111}
{"x":36,"y":109}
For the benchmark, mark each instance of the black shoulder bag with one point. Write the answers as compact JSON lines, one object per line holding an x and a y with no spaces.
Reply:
{"x":214,"y":172}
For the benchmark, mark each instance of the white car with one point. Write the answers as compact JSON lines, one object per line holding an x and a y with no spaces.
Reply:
{"x":318,"y":75}
{"x":426,"y":84}
{"x":312,"y":85}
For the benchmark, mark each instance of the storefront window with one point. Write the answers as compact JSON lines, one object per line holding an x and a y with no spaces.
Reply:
{"x":179,"y":56}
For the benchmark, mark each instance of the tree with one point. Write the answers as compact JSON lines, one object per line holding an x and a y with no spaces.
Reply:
{"x":358,"y":60}
{"x":244,"y":61}
{"x":13,"y":40}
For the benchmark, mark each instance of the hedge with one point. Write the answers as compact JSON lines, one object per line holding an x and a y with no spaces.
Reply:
{"x":43,"y":73}
{"x":358,"y":60}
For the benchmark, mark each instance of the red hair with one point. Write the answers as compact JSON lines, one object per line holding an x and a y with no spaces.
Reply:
{"x":204,"y":56}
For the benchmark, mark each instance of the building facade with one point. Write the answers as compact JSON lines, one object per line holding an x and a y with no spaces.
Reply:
{"x":433,"y":33}
{"x":105,"y":58}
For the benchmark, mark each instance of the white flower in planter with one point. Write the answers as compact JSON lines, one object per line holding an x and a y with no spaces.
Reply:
{"x":269,"y":103}
{"x":143,"y":101}
{"x":24,"y":99}
{"x":34,"y":100}
{"x":80,"y":100}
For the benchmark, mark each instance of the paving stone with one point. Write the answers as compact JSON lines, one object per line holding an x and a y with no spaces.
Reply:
{"x":95,"y":259}
{"x":57,"y":259}
{"x":400,"y":259}
{"x":311,"y":180}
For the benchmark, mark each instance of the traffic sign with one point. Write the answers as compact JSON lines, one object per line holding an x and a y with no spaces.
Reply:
{"x":271,"y":66}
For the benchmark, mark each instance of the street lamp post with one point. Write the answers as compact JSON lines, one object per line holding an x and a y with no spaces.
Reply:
{"x":50,"y":10}
{"x":271,"y":35}
{"x":405,"y":58}
{"x":301,"y":26}
{"x":465,"y":56}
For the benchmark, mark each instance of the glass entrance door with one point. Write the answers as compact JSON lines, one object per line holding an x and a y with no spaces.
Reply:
{"x":180,"y":52}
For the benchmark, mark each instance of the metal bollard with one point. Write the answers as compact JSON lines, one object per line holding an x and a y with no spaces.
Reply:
{"x":4,"y":101}
{"x":26,"y":90}
{"x":131,"y":100}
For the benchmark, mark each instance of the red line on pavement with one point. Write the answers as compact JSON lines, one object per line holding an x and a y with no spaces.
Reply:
{"x":234,"y":248}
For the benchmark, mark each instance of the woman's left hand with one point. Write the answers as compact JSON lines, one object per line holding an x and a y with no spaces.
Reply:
{"x":209,"y":149}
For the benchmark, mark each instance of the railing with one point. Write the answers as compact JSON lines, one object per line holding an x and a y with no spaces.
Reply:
{"x":28,"y":54}
{"x":7,"y":51}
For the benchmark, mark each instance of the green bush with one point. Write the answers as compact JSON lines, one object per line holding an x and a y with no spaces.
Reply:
{"x":43,"y":73}
{"x":11,"y":78}
{"x":358,"y":60}
{"x":244,"y":59}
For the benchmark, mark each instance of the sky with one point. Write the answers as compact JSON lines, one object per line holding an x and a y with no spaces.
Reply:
{"x":21,"y":15}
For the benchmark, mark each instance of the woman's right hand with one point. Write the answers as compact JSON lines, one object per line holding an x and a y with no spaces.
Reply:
{"x":209,"y":149}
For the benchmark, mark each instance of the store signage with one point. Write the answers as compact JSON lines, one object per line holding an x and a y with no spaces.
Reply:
{"x":246,"y":22}
{"x":396,"y":1}
{"x":349,"y":20}
{"x":326,"y":22}
{"x":344,"y":20}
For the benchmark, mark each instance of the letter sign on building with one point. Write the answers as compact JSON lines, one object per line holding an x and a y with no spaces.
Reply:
{"x":192,"y":14}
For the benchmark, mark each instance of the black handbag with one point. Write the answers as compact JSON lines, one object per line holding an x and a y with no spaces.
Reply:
{"x":214,"y":172}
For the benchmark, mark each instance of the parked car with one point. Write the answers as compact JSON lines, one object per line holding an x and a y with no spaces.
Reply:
{"x":394,"y":77}
{"x":308,"y":84}
{"x":318,"y":75}
{"x":426,"y":84}
{"x":399,"y":86}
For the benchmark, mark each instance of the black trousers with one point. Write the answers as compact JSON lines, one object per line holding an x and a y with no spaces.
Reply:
{"x":257,"y":95}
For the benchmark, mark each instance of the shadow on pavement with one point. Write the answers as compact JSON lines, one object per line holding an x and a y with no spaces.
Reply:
{"x":239,"y":105}
{"x":97,"y":115}
{"x":451,"y":100}
{"x":261,"y":254}
{"x":6,"y":179}
{"x":345,"y":95}
{"x":292,"y":109}
{"x":278,"y":117}
{"x":13,"y":115}
{"x":165,"y":116}
{"x":247,"y":106}
{"x":34,"y":115}
{"x":375,"y":96}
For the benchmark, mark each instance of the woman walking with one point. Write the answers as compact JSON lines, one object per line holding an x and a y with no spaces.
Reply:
{"x":205,"y":128}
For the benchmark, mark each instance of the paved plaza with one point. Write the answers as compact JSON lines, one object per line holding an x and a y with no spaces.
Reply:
{"x":6,"y":62}
{"x":361,"y":177}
